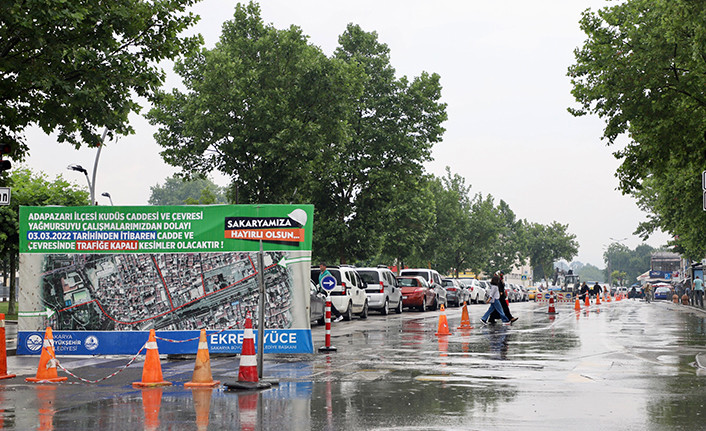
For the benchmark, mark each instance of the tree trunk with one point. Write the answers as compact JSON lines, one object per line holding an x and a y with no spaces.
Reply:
{"x":11,"y":309}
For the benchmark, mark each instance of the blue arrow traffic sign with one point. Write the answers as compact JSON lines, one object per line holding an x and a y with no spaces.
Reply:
{"x":328,"y":282}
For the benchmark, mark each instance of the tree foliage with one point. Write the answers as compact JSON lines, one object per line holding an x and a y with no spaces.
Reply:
{"x":288,"y":123}
{"x":73,"y":67}
{"x":180,"y":191}
{"x":548,"y":243}
{"x":642,"y":68}
{"x":619,"y":257}
{"x":30,"y":189}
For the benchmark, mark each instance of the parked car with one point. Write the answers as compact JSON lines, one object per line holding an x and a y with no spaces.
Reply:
{"x":483,"y":289}
{"x":433,"y":279}
{"x":532,"y":293}
{"x":512,"y":292}
{"x":348,"y":296}
{"x":456,"y":293}
{"x":416,"y":293}
{"x":317,"y":304}
{"x":382,"y":291}
{"x":663,"y":292}
{"x":524,"y":294}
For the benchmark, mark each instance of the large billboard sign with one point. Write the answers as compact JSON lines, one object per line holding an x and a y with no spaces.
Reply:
{"x":102,"y":277}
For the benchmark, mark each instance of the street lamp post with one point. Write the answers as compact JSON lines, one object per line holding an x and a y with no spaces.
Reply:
{"x":79,"y":168}
{"x":107,"y":195}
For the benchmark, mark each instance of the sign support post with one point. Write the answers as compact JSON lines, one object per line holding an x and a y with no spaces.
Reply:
{"x":328,"y":283}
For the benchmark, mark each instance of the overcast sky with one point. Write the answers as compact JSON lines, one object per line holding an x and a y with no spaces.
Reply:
{"x":503,"y":70}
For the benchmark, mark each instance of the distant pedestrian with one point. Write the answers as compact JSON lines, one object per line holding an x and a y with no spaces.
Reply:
{"x":597,"y":289}
{"x":648,"y":292}
{"x":503,"y":302}
{"x":494,"y":301}
{"x":585,"y":290}
{"x":323,"y":272}
{"x":698,"y":292}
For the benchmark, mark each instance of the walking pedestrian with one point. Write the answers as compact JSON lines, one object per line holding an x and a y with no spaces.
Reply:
{"x":494,"y":301}
{"x":597,"y":289}
{"x":504,"y":303}
{"x":699,"y":292}
{"x":648,"y":292}
{"x":323,"y":272}
{"x":585,"y":290}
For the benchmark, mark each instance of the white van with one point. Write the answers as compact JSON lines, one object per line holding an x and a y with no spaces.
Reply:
{"x":348,"y":296}
{"x":383,"y":292}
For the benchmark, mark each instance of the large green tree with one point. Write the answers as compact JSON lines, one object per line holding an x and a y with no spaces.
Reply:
{"x":74,"y":67}
{"x":548,"y":243}
{"x":31,"y":189}
{"x":180,"y":191}
{"x":642,"y":69}
{"x":619,"y":257}
{"x":288,"y":123}
{"x":509,"y":246}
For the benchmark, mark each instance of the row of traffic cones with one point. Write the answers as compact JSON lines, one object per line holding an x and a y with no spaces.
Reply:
{"x":152,"y":368}
{"x":444,"y":324}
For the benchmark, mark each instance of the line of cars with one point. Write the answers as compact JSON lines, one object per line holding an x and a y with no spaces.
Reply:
{"x":360,"y":290}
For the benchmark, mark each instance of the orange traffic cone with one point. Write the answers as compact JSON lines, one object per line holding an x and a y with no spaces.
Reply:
{"x":443,"y":324}
{"x":598,"y":299}
{"x":152,"y":369}
{"x":46,"y":372}
{"x":202,"y":405}
{"x":577,"y":305}
{"x":465,"y":319}
{"x":587,"y":302}
{"x":248,"y":361}
{"x":202,"y":369}
{"x":3,"y":351}
{"x":151,"y":403}
{"x":551,"y":310}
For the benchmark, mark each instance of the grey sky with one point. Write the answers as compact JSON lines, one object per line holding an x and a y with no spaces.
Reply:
{"x":503,"y":70}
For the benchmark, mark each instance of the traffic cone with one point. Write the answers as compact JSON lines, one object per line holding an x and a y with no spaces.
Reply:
{"x":551,"y":310}
{"x":443,"y":324}
{"x":46,"y":372}
{"x":151,"y":403}
{"x":577,"y":305}
{"x":3,"y":351}
{"x":587,"y":303}
{"x":465,"y":320}
{"x":598,"y":299}
{"x":152,"y":369}
{"x":202,"y":377}
{"x":248,"y":361}
{"x":202,"y":405}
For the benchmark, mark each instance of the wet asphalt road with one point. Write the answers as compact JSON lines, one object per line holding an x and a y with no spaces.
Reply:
{"x":626,"y":365}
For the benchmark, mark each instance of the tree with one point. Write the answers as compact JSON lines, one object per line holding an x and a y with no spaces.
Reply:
{"x":547,"y":244}
{"x":590,"y":272}
{"x":74,"y":67}
{"x":30,"y":189}
{"x":642,"y":69}
{"x":621,"y":258}
{"x":408,"y":222}
{"x":510,"y":245}
{"x":179,"y":191}
{"x":289,"y":124}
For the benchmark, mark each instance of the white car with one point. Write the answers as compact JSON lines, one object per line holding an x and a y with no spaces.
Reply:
{"x":382,"y":291}
{"x":477,"y":290}
{"x":348,"y":296}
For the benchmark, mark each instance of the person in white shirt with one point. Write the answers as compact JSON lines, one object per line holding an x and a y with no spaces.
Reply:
{"x":494,"y":300}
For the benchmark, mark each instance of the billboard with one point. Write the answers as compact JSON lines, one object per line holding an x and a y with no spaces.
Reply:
{"x":102,"y":277}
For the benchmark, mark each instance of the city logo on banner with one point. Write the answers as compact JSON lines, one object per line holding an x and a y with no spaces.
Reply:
{"x":288,"y":229}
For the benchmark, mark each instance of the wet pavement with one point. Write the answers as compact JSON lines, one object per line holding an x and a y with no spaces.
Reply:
{"x":626,"y":365}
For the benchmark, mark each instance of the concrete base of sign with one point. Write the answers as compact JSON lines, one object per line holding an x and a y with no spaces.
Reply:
{"x":327,"y":349}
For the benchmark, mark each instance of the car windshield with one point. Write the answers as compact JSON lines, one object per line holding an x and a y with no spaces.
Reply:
{"x":407,"y":282}
{"x":447,"y":283}
{"x":423,"y":274}
{"x":315,"y":275}
{"x":370,"y":277}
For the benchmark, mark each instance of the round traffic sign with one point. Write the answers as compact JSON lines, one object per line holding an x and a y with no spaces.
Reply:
{"x":328,"y":282}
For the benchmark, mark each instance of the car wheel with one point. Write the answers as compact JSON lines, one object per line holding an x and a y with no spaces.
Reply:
{"x":348,"y":315}
{"x":385,"y":308}
{"x":434,"y":305}
{"x":399,"y":307}
{"x":364,"y":314}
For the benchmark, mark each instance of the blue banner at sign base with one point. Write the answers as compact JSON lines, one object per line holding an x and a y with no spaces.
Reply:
{"x":129,"y":343}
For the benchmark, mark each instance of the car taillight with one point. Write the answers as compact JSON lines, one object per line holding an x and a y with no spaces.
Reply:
{"x":382,"y":287}
{"x":343,"y":285}
{"x":452,"y":289}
